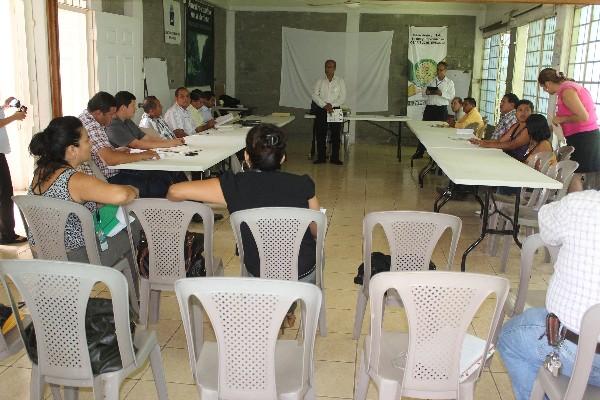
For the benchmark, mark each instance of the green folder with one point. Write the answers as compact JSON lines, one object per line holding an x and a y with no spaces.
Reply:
{"x":107,"y":217}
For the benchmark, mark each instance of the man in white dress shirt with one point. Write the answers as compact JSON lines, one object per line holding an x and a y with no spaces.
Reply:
{"x":574,"y":224}
{"x":329,"y":93}
{"x":178,"y":117}
{"x":152,"y":118}
{"x":440,"y":91}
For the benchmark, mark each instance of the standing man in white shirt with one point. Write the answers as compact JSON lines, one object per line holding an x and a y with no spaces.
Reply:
{"x":329,"y":93}
{"x":572,"y":223}
{"x":7,"y":216}
{"x":440,"y":91}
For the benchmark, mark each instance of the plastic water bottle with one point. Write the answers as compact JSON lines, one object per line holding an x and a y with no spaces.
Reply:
{"x":100,"y":234}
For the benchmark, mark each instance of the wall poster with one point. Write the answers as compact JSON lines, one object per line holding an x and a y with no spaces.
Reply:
{"x":199,"y":41}
{"x":426,"y":47}
{"x":172,"y":21}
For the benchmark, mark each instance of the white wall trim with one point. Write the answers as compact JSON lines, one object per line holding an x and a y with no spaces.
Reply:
{"x":477,"y":58}
{"x":230,"y":53}
{"x":352,"y":26}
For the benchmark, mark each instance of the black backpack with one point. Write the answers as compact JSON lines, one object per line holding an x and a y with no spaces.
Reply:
{"x":379,"y":263}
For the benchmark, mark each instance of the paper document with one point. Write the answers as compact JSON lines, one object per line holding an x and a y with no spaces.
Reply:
{"x":223,"y":119}
{"x":122,"y":224}
{"x":464,"y":132}
{"x":337,"y":115}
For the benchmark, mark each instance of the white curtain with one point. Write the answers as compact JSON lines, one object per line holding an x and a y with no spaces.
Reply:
{"x":14,"y":81}
{"x":363,"y":61}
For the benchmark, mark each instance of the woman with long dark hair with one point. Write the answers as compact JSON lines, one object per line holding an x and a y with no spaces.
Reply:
{"x":539,"y":138}
{"x":262,"y":184}
{"x":576,"y":115}
{"x":59,"y":150}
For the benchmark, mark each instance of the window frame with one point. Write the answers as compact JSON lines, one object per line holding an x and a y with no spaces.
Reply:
{"x":538,"y":97}
{"x":494,"y":68}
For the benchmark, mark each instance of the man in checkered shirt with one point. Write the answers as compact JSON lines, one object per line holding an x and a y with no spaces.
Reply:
{"x":572,"y":223}
{"x":508,"y":115}
{"x":99,"y":114}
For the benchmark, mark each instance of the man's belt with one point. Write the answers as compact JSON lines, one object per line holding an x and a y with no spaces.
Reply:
{"x":574,"y":338}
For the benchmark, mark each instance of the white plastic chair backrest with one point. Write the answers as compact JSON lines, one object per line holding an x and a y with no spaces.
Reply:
{"x":564,"y":153}
{"x":543,"y":158}
{"x":586,"y":350}
{"x":165,"y":224}
{"x":530,"y":246}
{"x":45,"y":220}
{"x":565,"y":169}
{"x":278,"y":233}
{"x":412,"y":237}
{"x":539,"y":197}
{"x":246,"y":315}
{"x":440,"y":307}
{"x":56,"y":294}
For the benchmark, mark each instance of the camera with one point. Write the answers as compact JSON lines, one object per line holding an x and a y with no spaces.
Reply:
{"x":17,"y":104}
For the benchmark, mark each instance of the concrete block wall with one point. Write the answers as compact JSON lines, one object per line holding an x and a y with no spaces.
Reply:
{"x":459,"y":56}
{"x":155,"y":46}
{"x":258,"y":59}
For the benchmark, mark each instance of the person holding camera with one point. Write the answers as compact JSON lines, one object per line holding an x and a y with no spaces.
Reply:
{"x":7,"y":217}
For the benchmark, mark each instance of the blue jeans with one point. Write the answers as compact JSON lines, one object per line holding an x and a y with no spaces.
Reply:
{"x":523,"y":352}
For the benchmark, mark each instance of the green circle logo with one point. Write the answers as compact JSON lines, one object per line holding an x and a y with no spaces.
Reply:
{"x":424,"y":71}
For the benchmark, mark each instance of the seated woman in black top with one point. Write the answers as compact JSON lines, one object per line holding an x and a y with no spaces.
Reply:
{"x":515,"y":140}
{"x":262,"y":185}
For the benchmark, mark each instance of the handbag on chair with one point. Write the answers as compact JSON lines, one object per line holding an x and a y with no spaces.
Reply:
{"x":193,"y":248}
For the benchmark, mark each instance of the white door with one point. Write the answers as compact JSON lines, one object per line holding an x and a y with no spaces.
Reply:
{"x":118,"y":54}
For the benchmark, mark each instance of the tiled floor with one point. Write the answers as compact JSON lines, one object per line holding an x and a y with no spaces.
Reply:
{"x":372,"y":180}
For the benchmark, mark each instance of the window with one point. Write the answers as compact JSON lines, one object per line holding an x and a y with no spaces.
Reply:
{"x":493,"y":75}
{"x":584,"y":53}
{"x":540,"y":46}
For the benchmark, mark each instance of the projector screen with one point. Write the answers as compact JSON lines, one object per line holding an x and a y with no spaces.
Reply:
{"x":363,"y":61}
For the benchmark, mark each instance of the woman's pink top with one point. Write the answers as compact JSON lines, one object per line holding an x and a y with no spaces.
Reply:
{"x":571,"y":128}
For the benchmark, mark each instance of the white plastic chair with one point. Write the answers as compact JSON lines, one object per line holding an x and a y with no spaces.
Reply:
{"x":247,"y":361}
{"x":543,"y":159}
{"x":564,"y":153}
{"x":563,"y":172}
{"x":436,"y":358}
{"x":412,"y":237}
{"x":278,"y":233}
{"x":56,"y":295}
{"x":532,"y":201}
{"x":165,"y":224}
{"x":45,"y":219}
{"x":575,"y":387}
{"x":524,"y":298}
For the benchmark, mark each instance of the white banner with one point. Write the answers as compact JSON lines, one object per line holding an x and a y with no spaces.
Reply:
{"x":172,"y":21}
{"x":426,"y":47}
{"x":363,"y":61}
